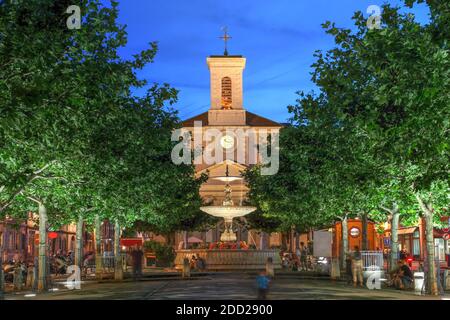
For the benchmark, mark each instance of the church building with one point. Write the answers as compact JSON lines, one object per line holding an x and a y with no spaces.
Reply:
{"x":227,"y":114}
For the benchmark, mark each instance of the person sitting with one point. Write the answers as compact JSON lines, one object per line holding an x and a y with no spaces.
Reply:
{"x":403,"y":254}
{"x":193,"y":262}
{"x":200,"y":264}
{"x":295,"y":265}
{"x":403,"y":276}
{"x":285,"y":262}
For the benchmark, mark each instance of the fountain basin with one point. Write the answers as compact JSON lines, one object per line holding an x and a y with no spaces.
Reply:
{"x":229,"y":260}
{"x":227,"y":211}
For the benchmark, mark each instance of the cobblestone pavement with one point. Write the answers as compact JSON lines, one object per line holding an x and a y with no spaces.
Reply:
{"x":222,"y":287}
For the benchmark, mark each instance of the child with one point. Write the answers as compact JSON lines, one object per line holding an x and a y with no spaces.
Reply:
{"x":263,"y":285}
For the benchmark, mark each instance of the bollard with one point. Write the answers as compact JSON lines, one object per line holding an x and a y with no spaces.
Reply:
{"x":335,"y":270}
{"x":186,"y":268}
{"x":270,"y":271}
{"x":419,"y":279}
{"x":36,"y":273}
{"x":18,"y":278}
{"x":98,"y":267}
{"x":2,"y":282}
{"x":30,"y":277}
{"x":446,"y":280}
{"x":118,"y":268}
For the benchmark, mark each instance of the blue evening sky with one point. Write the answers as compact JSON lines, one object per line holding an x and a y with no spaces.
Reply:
{"x":278,"y":38}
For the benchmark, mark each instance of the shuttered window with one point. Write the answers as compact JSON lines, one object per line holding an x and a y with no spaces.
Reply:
{"x":226,"y":93}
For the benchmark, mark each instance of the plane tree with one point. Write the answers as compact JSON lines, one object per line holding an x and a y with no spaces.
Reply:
{"x":76,"y":143}
{"x":381,"y":123}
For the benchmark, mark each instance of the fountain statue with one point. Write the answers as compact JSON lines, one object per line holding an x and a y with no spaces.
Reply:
{"x":228,"y":211}
{"x":217,"y":259}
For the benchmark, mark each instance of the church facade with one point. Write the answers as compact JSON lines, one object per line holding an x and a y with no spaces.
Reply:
{"x":239,"y":133}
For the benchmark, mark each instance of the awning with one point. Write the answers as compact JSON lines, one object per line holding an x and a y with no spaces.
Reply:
{"x":438,"y":233}
{"x":128,"y":242}
{"x":194,"y":240}
{"x":407,"y":230}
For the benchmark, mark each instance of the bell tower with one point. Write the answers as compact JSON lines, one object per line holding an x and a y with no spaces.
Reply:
{"x":226,"y":88}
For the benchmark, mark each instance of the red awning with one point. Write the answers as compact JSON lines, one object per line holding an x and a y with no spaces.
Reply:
{"x":128,"y":242}
{"x":194,"y":240}
{"x":438,"y":233}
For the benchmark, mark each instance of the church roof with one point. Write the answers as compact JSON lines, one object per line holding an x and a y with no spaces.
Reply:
{"x":251,"y":119}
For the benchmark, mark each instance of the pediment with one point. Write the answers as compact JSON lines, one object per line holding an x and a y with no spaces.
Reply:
{"x":219,"y":169}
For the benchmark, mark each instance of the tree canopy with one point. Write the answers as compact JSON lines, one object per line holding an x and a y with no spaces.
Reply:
{"x":377,"y":131}
{"x":73,"y":134}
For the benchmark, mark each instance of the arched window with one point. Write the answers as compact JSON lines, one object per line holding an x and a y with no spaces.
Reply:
{"x":226,"y":93}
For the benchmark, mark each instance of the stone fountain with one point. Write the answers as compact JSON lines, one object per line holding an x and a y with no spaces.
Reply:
{"x":228,"y":211}
{"x":229,"y":259}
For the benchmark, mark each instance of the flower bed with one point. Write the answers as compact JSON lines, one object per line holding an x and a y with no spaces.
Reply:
{"x":228,"y":246}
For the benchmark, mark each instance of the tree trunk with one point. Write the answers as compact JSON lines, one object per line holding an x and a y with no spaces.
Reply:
{"x":170,"y":237}
{"x":43,"y":219}
{"x":118,"y":270}
{"x":365,"y":239}
{"x":344,"y":244}
{"x":394,"y":237}
{"x":79,"y":243}
{"x":284,"y":245}
{"x":98,"y":249}
{"x":2,"y":276}
{"x":433,"y":288}
{"x":261,"y":240}
{"x":335,"y":271}
{"x":431,"y":275}
{"x":297,"y":240}
{"x":185,"y":240}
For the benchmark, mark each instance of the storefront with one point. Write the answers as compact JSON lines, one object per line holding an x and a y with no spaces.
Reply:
{"x":409,"y":241}
{"x":441,"y":245}
{"x":16,"y":240}
{"x":355,"y":237}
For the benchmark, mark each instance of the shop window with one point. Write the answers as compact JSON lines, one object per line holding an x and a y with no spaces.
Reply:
{"x":439,"y":249}
{"x":416,"y":248}
{"x":17,"y":241}
{"x":23,"y":242}
{"x":416,"y":244}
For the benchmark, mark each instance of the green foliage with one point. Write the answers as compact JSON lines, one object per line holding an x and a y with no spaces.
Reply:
{"x":164,"y":253}
{"x":376,"y":134}
{"x":72,"y":133}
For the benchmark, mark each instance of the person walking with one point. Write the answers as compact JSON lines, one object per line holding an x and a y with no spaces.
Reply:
{"x":263,"y":285}
{"x":357,"y":267}
{"x":348,"y":269}
{"x":298,"y":257}
{"x":137,"y":255}
{"x":303,"y":256}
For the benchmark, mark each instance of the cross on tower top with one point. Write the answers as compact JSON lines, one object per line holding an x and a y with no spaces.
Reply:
{"x":226,"y":37}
